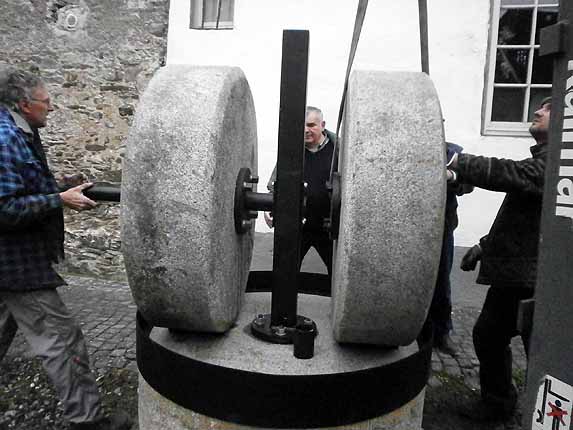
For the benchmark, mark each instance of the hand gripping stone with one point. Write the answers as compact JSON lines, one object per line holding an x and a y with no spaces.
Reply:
{"x":194,"y":129}
{"x":392,"y":214}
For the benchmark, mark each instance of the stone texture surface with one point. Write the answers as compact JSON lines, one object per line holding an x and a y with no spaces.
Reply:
{"x":237,"y":349}
{"x":157,"y":412}
{"x":186,"y":265}
{"x":393,"y":194}
{"x":96,"y":57}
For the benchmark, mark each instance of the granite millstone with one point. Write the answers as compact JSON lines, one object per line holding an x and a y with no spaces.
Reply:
{"x":194,"y":129}
{"x":393,"y":195}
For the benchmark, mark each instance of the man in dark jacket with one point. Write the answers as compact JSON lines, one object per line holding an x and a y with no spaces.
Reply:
{"x":31,"y":240}
{"x":319,"y":149}
{"x":508,"y":259}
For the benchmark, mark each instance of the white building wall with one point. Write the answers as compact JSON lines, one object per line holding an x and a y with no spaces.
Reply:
{"x":458,"y":34}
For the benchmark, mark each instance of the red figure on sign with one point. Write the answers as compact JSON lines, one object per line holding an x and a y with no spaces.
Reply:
{"x":557,"y":413}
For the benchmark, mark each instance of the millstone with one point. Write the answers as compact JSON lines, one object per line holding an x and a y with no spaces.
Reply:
{"x":194,"y":129}
{"x":392,"y":216}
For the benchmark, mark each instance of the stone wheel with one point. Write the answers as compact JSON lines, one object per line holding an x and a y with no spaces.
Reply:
{"x":392,"y":213}
{"x":194,"y":129}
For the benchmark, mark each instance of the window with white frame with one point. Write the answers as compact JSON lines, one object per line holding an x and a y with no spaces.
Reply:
{"x":212,"y":14}
{"x":518,"y":78}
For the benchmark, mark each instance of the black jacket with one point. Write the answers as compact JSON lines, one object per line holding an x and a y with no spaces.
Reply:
{"x":316,"y":174}
{"x":510,"y":249}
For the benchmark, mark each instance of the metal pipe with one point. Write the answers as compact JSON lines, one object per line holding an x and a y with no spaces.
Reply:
{"x":258,"y":201}
{"x":101,"y":192}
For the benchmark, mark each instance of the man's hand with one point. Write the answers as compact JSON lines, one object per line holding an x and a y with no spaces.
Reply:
{"x":74,"y":198}
{"x":450,"y":176}
{"x":73,"y":180}
{"x":269,"y":219}
{"x":453,"y":163}
{"x":470,"y":259}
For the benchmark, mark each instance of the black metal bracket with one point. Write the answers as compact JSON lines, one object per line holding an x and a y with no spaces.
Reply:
{"x":248,"y":202}
{"x":287,"y":200}
{"x":554,"y":38}
{"x":332,"y":223}
{"x":263,"y":328}
{"x":550,"y":352}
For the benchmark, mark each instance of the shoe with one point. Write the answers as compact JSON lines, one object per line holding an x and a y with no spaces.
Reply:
{"x":446,"y":345}
{"x":117,"y":421}
{"x":480,"y":411}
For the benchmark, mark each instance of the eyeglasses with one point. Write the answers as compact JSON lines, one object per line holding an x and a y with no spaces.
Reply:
{"x":47,"y":102}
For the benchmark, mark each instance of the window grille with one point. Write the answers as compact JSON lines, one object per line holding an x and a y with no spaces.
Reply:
{"x":518,"y":78}
{"x":212,"y":14}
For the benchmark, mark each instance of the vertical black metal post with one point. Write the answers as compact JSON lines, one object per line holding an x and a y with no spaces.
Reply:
{"x":551,"y":350}
{"x":423,"y":16}
{"x":289,"y":182}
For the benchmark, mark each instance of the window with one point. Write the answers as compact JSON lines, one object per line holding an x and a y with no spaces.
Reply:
{"x":518,"y":78}
{"x":212,"y":14}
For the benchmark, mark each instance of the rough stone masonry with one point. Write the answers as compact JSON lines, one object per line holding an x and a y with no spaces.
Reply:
{"x":96,"y":57}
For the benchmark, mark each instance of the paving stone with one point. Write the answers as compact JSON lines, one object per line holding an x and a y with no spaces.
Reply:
{"x":434,"y":382}
{"x":437,"y":366}
{"x":452,"y":370}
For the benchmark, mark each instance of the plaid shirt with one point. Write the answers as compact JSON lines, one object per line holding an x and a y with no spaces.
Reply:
{"x":31,"y":219}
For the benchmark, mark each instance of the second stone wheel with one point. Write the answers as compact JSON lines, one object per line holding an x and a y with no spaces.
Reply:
{"x":393,"y":194}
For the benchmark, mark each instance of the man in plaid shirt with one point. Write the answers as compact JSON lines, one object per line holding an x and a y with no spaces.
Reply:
{"x":31,"y":240}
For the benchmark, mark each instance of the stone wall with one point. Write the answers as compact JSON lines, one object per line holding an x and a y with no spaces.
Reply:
{"x":96,"y":57}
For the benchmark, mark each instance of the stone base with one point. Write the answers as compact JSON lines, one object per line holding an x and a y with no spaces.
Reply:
{"x":237,"y":350}
{"x":158,"y":413}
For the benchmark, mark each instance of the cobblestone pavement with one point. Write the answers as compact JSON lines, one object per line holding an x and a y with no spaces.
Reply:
{"x":466,"y":364}
{"x":106,"y":312}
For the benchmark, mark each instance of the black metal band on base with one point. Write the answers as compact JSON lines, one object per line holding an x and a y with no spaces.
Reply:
{"x":282,"y":401}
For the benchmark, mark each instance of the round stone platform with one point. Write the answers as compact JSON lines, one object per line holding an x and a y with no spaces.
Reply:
{"x":249,"y":361}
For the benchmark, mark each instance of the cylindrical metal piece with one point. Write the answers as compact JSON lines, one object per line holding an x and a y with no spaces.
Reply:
{"x":303,"y":340}
{"x":107,"y":193}
{"x":258,"y":201}
{"x":101,"y":192}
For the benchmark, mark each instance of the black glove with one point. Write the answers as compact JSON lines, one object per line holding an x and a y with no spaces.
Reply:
{"x":469,"y":261}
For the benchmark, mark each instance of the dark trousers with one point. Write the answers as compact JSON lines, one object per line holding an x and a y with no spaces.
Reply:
{"x":323,"y":245}
{"x":492,"y":334}
{"x":440,"y":312}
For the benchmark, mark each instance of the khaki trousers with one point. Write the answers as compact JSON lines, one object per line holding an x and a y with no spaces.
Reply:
{"x":54,"y":337}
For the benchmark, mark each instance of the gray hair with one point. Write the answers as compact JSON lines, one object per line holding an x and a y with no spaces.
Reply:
{"x":316,"y":110}
{"x":17,"y":85}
